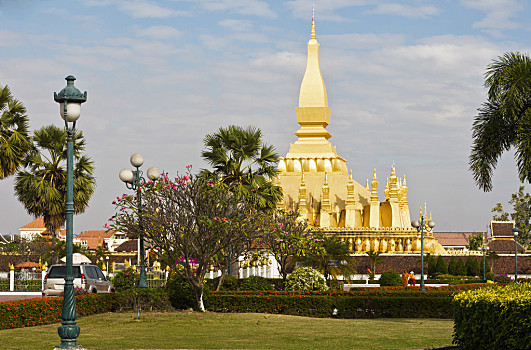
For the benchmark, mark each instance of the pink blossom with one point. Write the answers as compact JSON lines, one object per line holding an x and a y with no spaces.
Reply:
{"x":224,"y":219}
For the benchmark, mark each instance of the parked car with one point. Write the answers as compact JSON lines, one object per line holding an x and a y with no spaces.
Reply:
{"x":86,"y":276}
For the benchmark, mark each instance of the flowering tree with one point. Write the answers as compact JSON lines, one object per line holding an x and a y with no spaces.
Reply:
{"x":289,"y":238}
{"x":189,"y":221}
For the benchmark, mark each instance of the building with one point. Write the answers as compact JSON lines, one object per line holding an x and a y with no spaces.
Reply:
{"x":36,"y":228}
{"x":316,"y":181}
{"x":455,"y":241}
{"x":91,"y":239}
{"x":501,"y":239}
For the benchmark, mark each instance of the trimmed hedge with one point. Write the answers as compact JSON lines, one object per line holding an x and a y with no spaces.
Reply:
{"x":35,"y":312}
{"x":347,"y":305}
{"x":498,"y":317}
{"x":360,"y":303}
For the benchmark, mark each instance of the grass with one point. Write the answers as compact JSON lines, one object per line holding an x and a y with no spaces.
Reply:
{"x":192,"y":330}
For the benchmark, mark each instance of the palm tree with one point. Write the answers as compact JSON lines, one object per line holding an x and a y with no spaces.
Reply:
{"x":374,"y":258}
{"x":244,"y":163}
{"x":504,"y":121}
{"x":14,"y":139}
{"x":334,"y":259}
{"x":41,"y":187}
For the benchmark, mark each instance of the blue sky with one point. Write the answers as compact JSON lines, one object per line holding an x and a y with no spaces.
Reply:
{"x":404,"y":80}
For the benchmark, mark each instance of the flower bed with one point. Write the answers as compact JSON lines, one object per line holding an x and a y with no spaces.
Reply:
{"x":498,"y":317}
{"x":38,"y":311}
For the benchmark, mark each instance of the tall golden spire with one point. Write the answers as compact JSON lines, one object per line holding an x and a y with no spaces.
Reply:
{"x":313,"y":22}
{"x":313,"y":90}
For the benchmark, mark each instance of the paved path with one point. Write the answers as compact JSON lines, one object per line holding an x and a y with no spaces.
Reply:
{"x":18,"y":296}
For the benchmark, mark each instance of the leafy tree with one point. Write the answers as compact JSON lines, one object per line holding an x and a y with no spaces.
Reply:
{"x":333,"y":259}
{"x":15,"y":141}
{"x":504,"y":121}
{"x":41,"y":186}
{"x":432,"y":265}
{"x":475,"y":241}
{"x":472,"y":266}
{"x":289,"y":238}
{"x":499,"y":213}
{"x":460,"y":268}
{"x":441,"y":268}
{"x":188,"y":221}
{"x":452,"y":266}
{"x":521,"y":203}
{"x":244,"y":163}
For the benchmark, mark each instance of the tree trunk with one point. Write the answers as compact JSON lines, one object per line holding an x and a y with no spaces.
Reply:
{"x":199,"y":298}
{"x":221,"y":279}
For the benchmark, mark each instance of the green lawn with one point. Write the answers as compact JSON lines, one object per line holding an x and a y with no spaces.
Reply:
{"x":192,"y":330}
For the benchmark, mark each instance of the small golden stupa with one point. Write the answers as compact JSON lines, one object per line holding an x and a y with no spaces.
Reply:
{"x":315,"y":181}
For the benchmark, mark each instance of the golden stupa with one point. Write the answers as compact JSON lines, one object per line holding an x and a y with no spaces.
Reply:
{"x":315,"y":181}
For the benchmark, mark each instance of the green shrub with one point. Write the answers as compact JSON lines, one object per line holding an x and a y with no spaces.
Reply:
{"x":498,"y":317}
{"x":452,"y":266}
{"x":306,"y":278}
{"x":255,"y":283}
{"x":460,"y":269}
{"x":487,"y":268}
{"x":127,"y":279}
{"x":179,"y":292}
{"x":441,"y":268}
{"x":144,"y":298}
{"x":472,"y":266}
{"x":390,"y":278}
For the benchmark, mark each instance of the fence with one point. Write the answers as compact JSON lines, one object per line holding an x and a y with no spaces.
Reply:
{"x":21,"y":281}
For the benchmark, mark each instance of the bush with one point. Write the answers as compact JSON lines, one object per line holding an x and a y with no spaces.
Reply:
{"x":452,"y":266}
{"x":144,"y":298}
{"x":127,"y":279}
{"x":487,"y":268}
{"x":460,"y":269}
{"x":390,"y":278}
{"x":441,"y":268}
{"x":502,"y":278}
{"x":307,"y":279}
{"x":498,"y":317}
{"x":255,"y":283}
{"x":179,"y":292}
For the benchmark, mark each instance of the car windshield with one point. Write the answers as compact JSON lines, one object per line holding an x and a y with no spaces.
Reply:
{"x":60,"y":272}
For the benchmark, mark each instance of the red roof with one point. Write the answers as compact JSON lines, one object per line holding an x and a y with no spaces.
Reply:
{"x":35,"y":224}
{"x":502,"y":228}
{"x":454,"y":238}
{"x":93,"y":238}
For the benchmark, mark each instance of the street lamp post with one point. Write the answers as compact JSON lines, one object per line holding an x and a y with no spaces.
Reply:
{"x":421,"y":225}
{"x":70,"y":100}
{"x":484,"y":248}
{"x":515,"y":233}
{"x":133,"y":180}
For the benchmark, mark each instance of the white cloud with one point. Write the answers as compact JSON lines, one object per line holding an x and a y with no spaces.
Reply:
{"x":140,"y":8}
{"x":498,"y":14}
{"x":236,"y":25}
{"x":410,"y":11}
{"x":244,"y":7}
{"x":159,"y":32}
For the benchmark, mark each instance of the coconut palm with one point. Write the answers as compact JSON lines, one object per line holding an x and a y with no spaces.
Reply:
{"x":334,"y":259}
{"x":504,"y":121}
{"x":14,"y":139}
{"x":41,"y":186}
{"x":242,"y":161}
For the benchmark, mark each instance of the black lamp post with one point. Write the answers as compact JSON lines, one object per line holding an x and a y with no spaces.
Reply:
{"x":70,"y":100}
{"x":515,"y":233}
{"x":133,"y":180}
{"x":421,"y":225}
